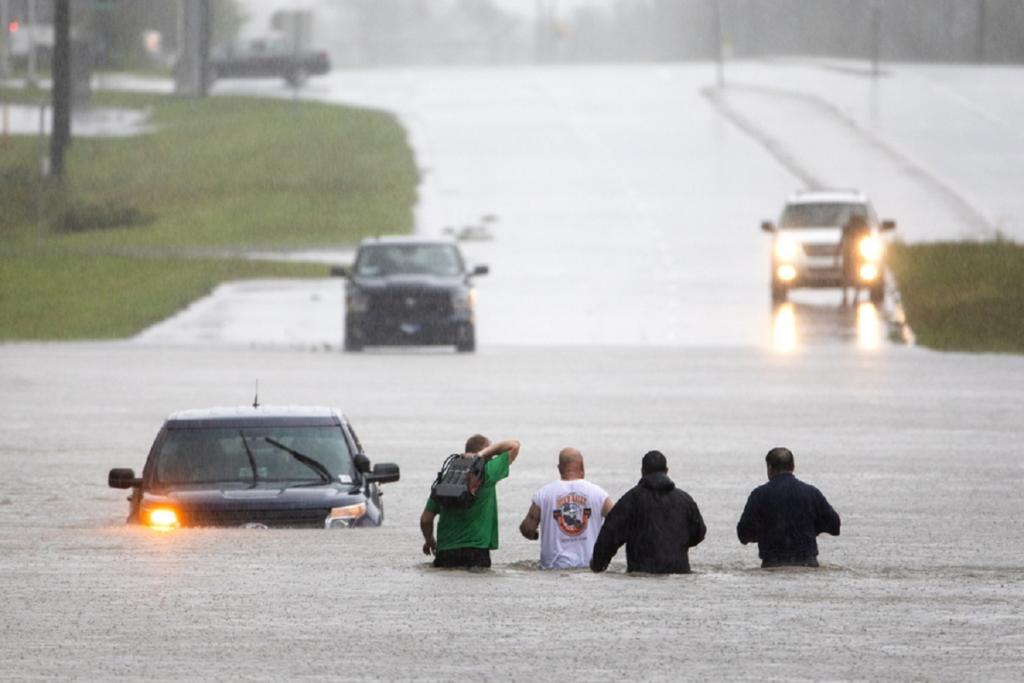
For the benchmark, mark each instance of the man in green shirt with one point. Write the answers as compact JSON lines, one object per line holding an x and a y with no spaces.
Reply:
{"x":465,"y":537}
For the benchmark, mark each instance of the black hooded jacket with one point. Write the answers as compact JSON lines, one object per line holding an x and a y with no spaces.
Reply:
{"x":658,"y":523}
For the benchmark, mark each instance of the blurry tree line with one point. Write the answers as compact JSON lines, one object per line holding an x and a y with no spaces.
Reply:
{"x":907,"y":30}
{"x":127,"y":34}
{"x":426,"y":31}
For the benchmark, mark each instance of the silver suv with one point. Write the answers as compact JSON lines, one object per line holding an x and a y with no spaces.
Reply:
{"x":806,"y":243}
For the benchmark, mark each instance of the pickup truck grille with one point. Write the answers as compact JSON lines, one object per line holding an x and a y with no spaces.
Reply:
{"x":312,"y":518}
{"x":818,"y":249}
{"x":412,"y":304}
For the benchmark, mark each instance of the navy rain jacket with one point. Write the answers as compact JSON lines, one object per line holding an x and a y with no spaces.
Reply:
{"x":658,"y":523}
{"x":783,"y":517}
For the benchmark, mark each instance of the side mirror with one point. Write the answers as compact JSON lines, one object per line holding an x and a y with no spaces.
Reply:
{"x":123,"y":478}
{"x":361,"y":462}
{"x":480,"y":270}
{"x":383,"y":473}
{"x":339,"y":271}
{"x":888,"y":225}
{"x":767,"y":226}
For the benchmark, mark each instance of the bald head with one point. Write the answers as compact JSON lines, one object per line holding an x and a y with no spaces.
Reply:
{"x":570,"y":463}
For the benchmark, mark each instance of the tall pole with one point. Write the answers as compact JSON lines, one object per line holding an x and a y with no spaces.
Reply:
{"x":60,"y":136}
{"x":31,"y":78}
{"x":5,"y":49}
{"x":876,"y":36}
{"x":981,"y":31}
{"x":719,"y":47}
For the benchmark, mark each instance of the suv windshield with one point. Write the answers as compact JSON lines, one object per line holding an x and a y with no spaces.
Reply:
{"x":377,"y":260}
{"x":824,"y":214}
{"x":206,"y":456}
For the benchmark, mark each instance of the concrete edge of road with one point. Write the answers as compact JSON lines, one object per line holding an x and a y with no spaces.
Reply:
{"x":899,"y":328}
{"x":717,"y":96}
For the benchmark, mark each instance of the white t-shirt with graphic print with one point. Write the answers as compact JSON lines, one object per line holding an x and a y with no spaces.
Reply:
{"x":570,"y":520}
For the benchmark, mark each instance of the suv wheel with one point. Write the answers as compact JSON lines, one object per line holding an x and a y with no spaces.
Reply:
{"x":466,"y":341}
{"x":877,"y":292}
{"x":351,"y":344}
{"x":780,"y":292}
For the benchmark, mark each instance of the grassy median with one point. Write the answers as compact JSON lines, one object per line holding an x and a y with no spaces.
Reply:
{"x":963,"y":296}
{"x":113,"y":249}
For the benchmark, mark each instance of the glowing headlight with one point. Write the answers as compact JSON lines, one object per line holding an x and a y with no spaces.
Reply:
{"x":161,"y":518}
{"x":463,"y":300}
{"x":868,"y":272}
{"x":345,"y":516}
{"x":787,"y":249}
{"x":871,"y":248}
{"x":357,"y":301}
{"x":786,"y":272}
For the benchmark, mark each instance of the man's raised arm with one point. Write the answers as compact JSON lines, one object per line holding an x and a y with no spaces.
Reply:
{"x":510,"y":445}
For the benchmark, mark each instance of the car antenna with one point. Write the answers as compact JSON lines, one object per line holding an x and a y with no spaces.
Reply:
{"x":256,"y":397}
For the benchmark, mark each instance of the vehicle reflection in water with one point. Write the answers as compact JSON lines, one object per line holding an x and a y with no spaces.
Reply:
{"x":797,"y":325}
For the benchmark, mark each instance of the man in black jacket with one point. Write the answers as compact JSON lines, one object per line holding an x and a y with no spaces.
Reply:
{"x":785,"y":515}
{"x":658,"y":523}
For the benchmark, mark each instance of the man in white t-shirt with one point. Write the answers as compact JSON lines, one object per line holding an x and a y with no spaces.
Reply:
{"x":569,"y":513}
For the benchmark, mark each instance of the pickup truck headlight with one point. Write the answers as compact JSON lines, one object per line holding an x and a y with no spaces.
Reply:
{"x":871,"y":248}
{"x":463,"y":301}
{"x":356,"y":300}
{"x":161,"y":518}
{"x":345,"y":516}
{"x":787,"y":249}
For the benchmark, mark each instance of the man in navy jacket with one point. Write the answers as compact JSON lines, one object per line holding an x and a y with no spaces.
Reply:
{"x":785,"y":515}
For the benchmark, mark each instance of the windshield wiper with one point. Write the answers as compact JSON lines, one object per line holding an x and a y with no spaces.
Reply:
{"x":252,"y":460}
{"x":309,"y":462}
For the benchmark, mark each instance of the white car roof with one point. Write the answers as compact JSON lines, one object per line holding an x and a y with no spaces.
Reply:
{"x":827,"y":196}
{"x":248,"y":412}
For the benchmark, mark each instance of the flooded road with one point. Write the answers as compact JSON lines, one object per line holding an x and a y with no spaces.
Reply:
{"x":628,"y":309}
{"x":916,"y":450}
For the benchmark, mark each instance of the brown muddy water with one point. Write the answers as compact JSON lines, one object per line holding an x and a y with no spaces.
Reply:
{"x":919,"y":452}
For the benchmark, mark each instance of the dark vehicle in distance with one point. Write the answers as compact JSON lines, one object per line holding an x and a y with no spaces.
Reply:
{"x":256,"y":467}
{"x":407,"y":290}
{"x":268,"y":57}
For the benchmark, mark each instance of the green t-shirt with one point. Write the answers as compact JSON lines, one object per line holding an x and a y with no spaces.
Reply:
{"x":477,"y":525}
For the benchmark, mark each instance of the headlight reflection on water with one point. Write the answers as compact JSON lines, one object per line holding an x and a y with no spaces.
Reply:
{"x":869,"y":327}
{"x":784,"y":337}
{"x":790,"y":332}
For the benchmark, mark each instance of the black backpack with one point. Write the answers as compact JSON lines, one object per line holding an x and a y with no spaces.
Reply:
{"x":458,"y":481}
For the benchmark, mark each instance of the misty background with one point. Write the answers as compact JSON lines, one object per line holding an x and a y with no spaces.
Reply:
{"x":360,"y":33}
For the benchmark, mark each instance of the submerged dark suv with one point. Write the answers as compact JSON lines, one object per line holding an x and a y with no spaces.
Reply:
{"x":409,"y":291}
{"x":256,"y":467}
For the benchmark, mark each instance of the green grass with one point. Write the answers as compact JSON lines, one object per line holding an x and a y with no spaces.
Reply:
{"x":105,"y":254}
{"x":963,"y":296}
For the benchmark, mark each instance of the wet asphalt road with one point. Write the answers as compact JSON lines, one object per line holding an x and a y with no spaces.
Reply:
{"x":917,"y":451}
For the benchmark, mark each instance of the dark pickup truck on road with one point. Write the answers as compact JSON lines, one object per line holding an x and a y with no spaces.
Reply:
{"x":268,"y":58}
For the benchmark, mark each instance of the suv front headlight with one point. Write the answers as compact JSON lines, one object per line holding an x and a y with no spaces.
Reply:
{"x":787,"y":249}
{"x":345,"y":516}
{"x":463,"y":300}
{"x":871,"y":248}
{"x":356,"y":300}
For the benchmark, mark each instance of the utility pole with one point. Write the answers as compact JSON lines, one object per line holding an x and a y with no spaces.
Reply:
{"x":981,"y":32}
{"x":60,"y":135}
{"x":5,"y":49}
{"x":719,"y":47}
{"x":876,"y":37}
{"x":31,"y":77}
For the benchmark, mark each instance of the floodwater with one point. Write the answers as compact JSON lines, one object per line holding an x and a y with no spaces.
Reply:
{"x":658,"y":335}
{"x":916,"y":450}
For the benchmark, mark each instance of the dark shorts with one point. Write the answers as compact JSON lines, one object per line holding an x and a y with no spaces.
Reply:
{"x":806,"y":562}
{"x":463,"y":558}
